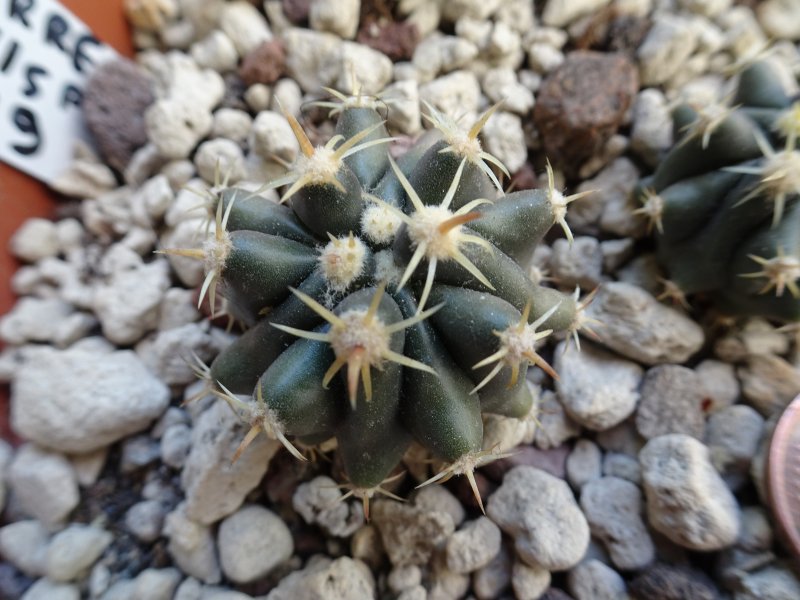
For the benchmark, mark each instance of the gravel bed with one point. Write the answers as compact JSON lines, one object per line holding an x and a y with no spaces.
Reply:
{"x":639,"y":473}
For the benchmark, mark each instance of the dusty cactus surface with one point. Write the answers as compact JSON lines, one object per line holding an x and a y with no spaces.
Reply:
{"x":723,"y":201}
{"x":386,"y":301}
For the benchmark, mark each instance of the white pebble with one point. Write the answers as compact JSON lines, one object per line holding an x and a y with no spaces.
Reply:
{"x":584,"y":463}
{"x":74,"y":550}
{"x":54,"y":393}
{"x":34,"y":474}
{"x":231,"y":123}
{"x":46,"y":590}
{"x":455,"y":94}
{"x":501,"y":84}
{"x":287,"y":94}
{"x":192,"y":546}
{"x":215,"y":51}
{"x":403,"y":100}
{"x":24,"y":545}
{"x":438,"y":54}
{"x":272,"y":135}
{"x":335,"y":16}
{"x":252,"y":542}
{"x":539,"y":511}
{"x":687,"y":499}
{"x":505,"y":139}
{"x":244,"y":25}
{"x":558,"y":13}
{"x":473,"y":546}
{"x":221,"y":158}
{"x":34,"y":240}
{"x":175,"y":126}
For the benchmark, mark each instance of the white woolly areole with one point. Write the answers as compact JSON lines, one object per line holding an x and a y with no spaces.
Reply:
{"x":424,"y":229}
{"x":342,"y":261}
{"x":380,"y":224}
{"x":559,"y":203}
{"x":519,"y":341}
{"x":356,"y":334}
{"x":319,"y":168}
{"x":216,"y":250}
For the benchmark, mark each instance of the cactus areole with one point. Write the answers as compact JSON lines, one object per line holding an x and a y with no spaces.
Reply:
{"x":386,"y":302}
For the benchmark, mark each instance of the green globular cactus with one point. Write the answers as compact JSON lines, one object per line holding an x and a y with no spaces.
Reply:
{"x":724,"y":200}
{"x":386,"y":302}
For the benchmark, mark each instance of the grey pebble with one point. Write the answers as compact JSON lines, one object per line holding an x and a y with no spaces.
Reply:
{"x":639,"y":327}
{"x":73,"y":551}
{"x":672,"y":402}
{"x":144,"y":520}
{"x":597,"y":388}
{"x":539,"y":511}
{"x":473,"y":546}
{"x":584,"y":463}
{"x":613,"y":508}
{"x":687,"y":500}
{"x":593,"y":580}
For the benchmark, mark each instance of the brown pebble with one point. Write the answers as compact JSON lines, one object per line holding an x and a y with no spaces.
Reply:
{"x":296,"y":10}
{"x":553,"y":461}
{"x":582,"y":104}
{"x":463,"y":491}
{"x":626,"y":33}
{"x":667,"y":582}
{"x":555,"y":594}
{"x":395,"y":39}
{"x":264,"y":65}
{"x":524,"y":179}
{"x":114,"y":102}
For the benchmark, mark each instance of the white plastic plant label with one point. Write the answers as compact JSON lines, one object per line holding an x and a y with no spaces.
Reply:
{"x":46,"y":55}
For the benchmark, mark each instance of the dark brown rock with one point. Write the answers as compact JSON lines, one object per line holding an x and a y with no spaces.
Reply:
{"x":296,"y":10}
{"x":612,"y":30}
{"x":264,"y":65}
{"x":396,"y":39}
{"x":114,"y":101}
{"x":524,"y":179}
{"x":582,"y":104}
{"x":665,"y":582}
{"x":234,"y":92}
{"x":626,"y":32}
{"x":463,"y":491}
{"x":555,"y":594}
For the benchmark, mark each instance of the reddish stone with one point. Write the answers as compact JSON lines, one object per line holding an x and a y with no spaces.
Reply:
{"x":552,"y":461}
{"x":463,"y":491}
{"x":114,"y":102}
{"x":266,"y":64}
{"x":296,"y":10}
{"x":582,"y":104}
{"x":395,"y":39}
{"x":524,"y":179}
